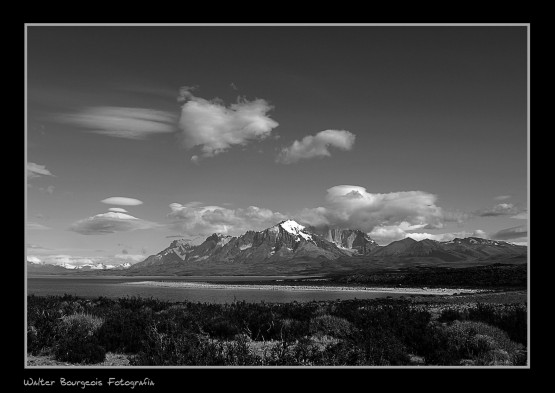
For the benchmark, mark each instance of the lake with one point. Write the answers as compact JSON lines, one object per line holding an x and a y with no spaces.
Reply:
{"x":114,"y":287}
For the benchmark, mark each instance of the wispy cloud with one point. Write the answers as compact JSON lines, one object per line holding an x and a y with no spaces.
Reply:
{"x":106,"y":223}
{"x":48,"y":190}
{"x":517,"y":232}
{"x":121,"y":122}
{"x":316,"y":146}
{"x":501,"y":209}
{"x":36,"y":226}
{"x":122,"y":201}
{"x":521,"y":216}
{"x":37,"y":170}
{"x":503,"y":197}
{"x":117,"y":210}
{"x":215,"y":127}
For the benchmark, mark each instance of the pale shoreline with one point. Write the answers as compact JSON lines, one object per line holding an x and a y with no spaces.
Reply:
{"x":202,"y":285}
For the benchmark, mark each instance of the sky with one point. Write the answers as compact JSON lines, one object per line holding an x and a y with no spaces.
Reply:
{"x":139,"y":135}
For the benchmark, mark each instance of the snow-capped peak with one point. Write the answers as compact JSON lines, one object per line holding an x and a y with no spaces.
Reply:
{"x":294,"y":228}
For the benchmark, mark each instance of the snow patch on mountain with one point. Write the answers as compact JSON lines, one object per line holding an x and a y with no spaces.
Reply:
{"x":295,"y":228}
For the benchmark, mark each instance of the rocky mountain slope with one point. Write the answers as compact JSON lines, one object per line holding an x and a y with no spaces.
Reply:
{"x":290,"y":247}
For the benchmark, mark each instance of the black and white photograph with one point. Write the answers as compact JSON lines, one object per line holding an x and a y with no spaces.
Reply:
{"x":268,"y":196}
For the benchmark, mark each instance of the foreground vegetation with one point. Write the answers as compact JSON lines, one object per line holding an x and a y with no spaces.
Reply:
{"x":333,"y":333}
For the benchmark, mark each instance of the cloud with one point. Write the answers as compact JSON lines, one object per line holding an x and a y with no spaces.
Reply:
{"x":521,"y":216}
{"x":501,"y":209}
{"x":130,"y":257}
{"x":455,"y":216}
{"x":517,"y":232}
{"x":36,"y":247}
{"x":386,"y":234}
{"x":196,"y":219}
{"x":36,"y":170}
{"x":215,"y":128}
{"x":49,"y":189}
{"x":353,"y":207}
{"x":121,"y":122}
{"x":72,"y":262}
{"x":117,"y":210}
{"x":316,"y":146}
{"x":36,"y":226}
{"x":33,"y":259}
{"x":122,"y":201}
{"x":445,"y":237}
{"x":502,"y":197}
{"x":111,"y":222}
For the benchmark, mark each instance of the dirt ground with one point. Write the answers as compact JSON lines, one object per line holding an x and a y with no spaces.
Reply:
{"x":112,"y":359}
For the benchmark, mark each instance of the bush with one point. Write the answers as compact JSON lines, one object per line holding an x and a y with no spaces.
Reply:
{"x":33,"y":345}
{"x":330,"y":325}
{"x":221,"y":328}
{"x":163,"y":349}
{"x":78,"y":342}
{"x":510,"y":318}
{"x":123,"y":330}
{"x":292,"y":329}
{"x":238,"y":353}
{"x":481,"y":342}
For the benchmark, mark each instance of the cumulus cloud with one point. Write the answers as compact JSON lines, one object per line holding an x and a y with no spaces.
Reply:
{"x":316,"y":146}
{"x":117,"y":210}
{"x":37,"y":170}
{"x":33,"y":259}
{"x":215,"y":128}
{"x":122,"y":201}
{"x":354,"y":207}
{"x":110,"y":222}
{"x":517,"y":232}
{"x":501,"y":209}
{"x":121,"y":122}
{"x":196,"y":219}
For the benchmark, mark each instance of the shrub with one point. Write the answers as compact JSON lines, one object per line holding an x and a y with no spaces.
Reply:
{"x":78,"y":342}
{"x":238,"y":353}
{"x":510,"y":318}
{"x":480,"y":341}
{"x":450,"y":315}
{"x":221,"y":328}
{"x":33,"y":345}
{"x":163,"y":349}
{"x":330,"y":325}
{"x":123,"y":330}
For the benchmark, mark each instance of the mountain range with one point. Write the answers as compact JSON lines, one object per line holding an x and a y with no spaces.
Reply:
{"x":289,"y":247}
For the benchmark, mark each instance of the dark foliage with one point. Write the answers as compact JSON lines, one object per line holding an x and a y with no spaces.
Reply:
{"x":492,"y":276}
{"x":510,"y":318}
{"x":350,"y":332}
